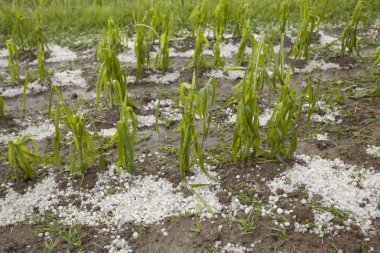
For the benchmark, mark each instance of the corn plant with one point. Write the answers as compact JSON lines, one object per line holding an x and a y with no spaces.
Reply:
{"x":110,"y":78}
{"x":311,"y":19}
{"x":1,"y":107}
{"x":199,"y":17}
{"x":204,"y":108}
{"x":218,"y":59}
{"x":42,"y":71}
{"x":13,"y":66}
{"x":247,"y":35}
{"x":241,"y":16}
{"x":126,"y":130}
{"x":350,"y":32}
{"x":22,"y":160}
{"x":282,"y":124}
{"x":189,"y":138}
{"x":142,"y":47}
{"x":162,"y":58}
{"x":246,"y":136}
{"x":82,"y":148}
{"x":198,"y":58}
{"x":111,"y":37}
{"x":377,"y":52}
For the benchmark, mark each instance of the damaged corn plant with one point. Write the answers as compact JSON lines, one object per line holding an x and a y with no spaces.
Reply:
{"x":190,"y":148}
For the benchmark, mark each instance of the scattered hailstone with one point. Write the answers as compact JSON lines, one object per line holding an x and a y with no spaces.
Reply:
{"x":230,"y":75}
{"x":33,"y":87}
{"x":147,"y":120}
{"x":164,"y":79}
{"x":346,"y":187}
{"x":168,"y":112}
{"x":119,"y":246}
{"x":60,"y":54}
{"x":108,"y":132}
{"x":322,"y":137}
{"x":69,"y":78}
{"x":373,"y":150}
{"x":37,"y":132}
{"x":330,"y":113}
{"x":264,"y":117}
{"x":314,"y":64}
{"x":326,"y":39}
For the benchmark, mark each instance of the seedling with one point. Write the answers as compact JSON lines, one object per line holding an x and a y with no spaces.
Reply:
{"x":283,"y":14}
{"x":246,"y":226}
{"x":41,"y":71}
{"x":197,"y":229}
{"x":51,"y":243}
{"x":220,"y":18}
{"x":280,"y":235}
{"x":198,"y":58}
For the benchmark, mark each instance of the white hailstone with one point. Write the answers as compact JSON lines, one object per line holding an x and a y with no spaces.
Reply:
{"x":237,"y":176}
{"x":220,"y":228}
{"x":287,"y":224}
{"x":135,"y":235}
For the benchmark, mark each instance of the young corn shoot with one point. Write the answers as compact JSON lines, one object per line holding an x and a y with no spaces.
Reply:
{"x":22,"y":161}
{"x":283,"y":14}
{"x":189,"y":136}
{"x":13,"y":66}
{"x":350,"y":32}
{"x":112,"y":37}
{"x":42,"y":72}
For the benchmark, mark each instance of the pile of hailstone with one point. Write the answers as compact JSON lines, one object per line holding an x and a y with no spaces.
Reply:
{"x":114,"y":201}
{"x":346,"y":187}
